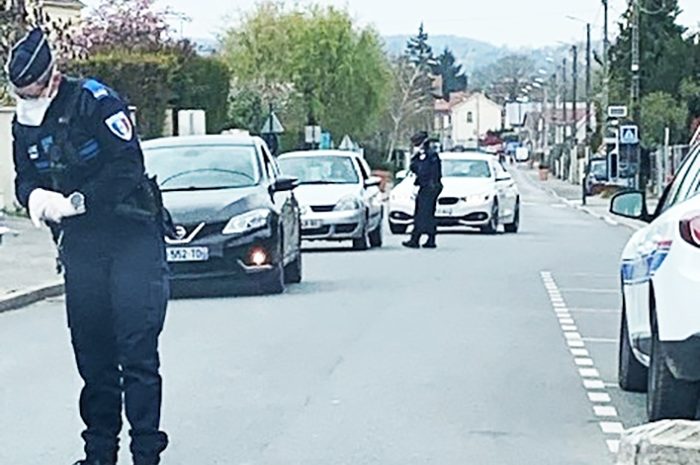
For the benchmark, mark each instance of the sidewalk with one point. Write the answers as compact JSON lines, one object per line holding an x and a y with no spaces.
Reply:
{"x":27,"y":264}
{"x":595,"y":205}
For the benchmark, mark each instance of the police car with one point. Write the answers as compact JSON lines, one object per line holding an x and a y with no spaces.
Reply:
{"x":236,"y":217}
{"x":660,"y":275}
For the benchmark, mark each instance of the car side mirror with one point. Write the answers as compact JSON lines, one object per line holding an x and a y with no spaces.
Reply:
{"x":285,"y":184}
{"x":630,"y":204}
{"x":373,"y":181}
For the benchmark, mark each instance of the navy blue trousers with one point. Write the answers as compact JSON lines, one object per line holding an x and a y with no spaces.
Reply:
{"x":116,"y":293}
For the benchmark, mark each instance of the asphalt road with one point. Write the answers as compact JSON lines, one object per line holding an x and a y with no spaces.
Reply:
{"x":448,"y":357}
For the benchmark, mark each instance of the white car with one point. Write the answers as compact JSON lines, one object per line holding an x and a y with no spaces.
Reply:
{"x":660,"y":276}
{"x":478,"y":192}
{"x":339,"y":198}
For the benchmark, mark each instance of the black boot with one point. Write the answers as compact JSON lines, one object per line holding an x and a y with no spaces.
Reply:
{"x":412,"y":243}
{"x":94,"y":462}
{"x":430,"y":243}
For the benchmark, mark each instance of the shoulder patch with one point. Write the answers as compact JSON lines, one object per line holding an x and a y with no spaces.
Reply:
{"x":97,"y":89}
{"x":120,"y":125}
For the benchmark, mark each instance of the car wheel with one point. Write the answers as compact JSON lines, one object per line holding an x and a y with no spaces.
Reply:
{"x":492,"y":227}
{"x":631,"y":374}
{"x":293,"y":271}
{"x":668,"y":398}
{"x":376,"y":237}
{"x":513,"y":227}
{"x":397,"y":229}
{"x":362,"y":243}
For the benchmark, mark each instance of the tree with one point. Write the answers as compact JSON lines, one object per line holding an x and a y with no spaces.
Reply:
{"x":453,"y":78}
{"x":505,"y":79}
{"x":413,"y":101}
{"x":661,"y":110}
{"x":314,"y":64}
{"x":662,"y":48}
{"x":132,"y":25}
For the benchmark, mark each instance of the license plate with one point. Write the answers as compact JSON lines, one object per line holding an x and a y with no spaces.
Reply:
{"x":444,"y":212}
{"x":187,"y":254}
{"x":310,"y":224}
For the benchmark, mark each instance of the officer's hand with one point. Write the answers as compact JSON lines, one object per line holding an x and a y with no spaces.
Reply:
{"x":38,"y":203}
{"x":61,"y":207}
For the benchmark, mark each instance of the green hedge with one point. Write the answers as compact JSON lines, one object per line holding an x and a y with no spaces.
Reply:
{"x":203,"y":83}
{"x":143,"y":80}
{"x":155,"y":82}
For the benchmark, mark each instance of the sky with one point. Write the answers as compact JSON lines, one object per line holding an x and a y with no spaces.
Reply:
{"x":515,"y":23}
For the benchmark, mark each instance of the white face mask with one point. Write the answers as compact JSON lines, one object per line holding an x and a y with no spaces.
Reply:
{"x":32,"y":112}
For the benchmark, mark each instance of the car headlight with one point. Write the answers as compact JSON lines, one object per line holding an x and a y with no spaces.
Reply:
{"x":256,"y":219}
{"x":348,"y":204}
{"x":304,"y":210}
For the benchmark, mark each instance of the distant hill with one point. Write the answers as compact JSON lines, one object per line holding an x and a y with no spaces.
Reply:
{"x":472,"y":54}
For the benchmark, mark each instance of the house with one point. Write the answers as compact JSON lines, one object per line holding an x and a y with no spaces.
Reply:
{"x":473,"y":117}
{"x":443,"y":117}
{"x":62,"y":11}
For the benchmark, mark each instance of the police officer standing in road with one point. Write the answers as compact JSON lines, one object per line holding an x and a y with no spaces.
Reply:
{"x":80,"y":170}
{"x":427,"y":167}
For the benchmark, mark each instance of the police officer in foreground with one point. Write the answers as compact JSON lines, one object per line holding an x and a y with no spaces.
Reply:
{"x":427,"y":167}
{"x":80,"y":171}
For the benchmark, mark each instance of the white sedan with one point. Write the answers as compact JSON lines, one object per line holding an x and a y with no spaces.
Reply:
{"x":339,"y":198}
{"x":478,"y":192}
{"x":660,"y":276}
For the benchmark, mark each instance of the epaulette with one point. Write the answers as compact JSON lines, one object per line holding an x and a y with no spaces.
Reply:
{"x":96,"y":88}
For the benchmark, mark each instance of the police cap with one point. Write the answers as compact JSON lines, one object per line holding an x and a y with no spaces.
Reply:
{"x":419,"y":138}
{"x":30,"y":60}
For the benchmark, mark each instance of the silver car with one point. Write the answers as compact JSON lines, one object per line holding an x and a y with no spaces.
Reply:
{"x":339,"y":199}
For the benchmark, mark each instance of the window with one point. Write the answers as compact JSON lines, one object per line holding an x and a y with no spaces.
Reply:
{"x":319,"y":169}
{"x":466,"y":169}
{"x":470,"y":117}
{"x":679,"y":188}
{"x":364,"y":169}
{"x":203,"y":167}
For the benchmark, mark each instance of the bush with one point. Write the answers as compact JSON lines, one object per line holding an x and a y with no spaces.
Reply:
{"x":203,"y":83}
{"x":143,"y":80}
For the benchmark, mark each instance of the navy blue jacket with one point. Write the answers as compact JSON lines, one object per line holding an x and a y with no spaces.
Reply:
{"x":106,"y":162}
{"x":428,"y":168}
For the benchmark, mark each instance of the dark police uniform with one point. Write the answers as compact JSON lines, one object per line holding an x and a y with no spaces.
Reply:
{"x":115,"y":268}
{"x":427,"y":167}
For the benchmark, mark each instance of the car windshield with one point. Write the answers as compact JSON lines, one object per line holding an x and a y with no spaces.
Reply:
{"x":203,"y":167}
{"x":599,"y":167}
{"x":466,"y":169}
{"x":320,"y":169}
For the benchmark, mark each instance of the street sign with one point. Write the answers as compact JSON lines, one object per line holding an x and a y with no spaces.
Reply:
{"x":617,"y":111}
{"x":346,"y":143}
{"x":272,"y":125}
{"x":326,"y":141}
{"x":629,"y":134}
{"x":313,"y":134}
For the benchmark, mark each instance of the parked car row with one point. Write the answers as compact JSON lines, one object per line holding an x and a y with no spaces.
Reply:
{"x":660,"y":283}
{"x":240,"y":214}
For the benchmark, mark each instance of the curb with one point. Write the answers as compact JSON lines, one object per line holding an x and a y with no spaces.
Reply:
{"x":25,"y":297}
{"x":609,"y":219}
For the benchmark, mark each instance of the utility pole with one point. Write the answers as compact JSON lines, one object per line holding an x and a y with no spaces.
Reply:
{"x":635,"y":97}
{"x":606,"y":51}
{"x":588,"y":85}
{"x":574,"y":50}
{"x":566,"y":115}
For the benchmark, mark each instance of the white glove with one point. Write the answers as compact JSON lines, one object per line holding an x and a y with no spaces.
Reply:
{"x":49,"y":206}
{"x":61,"y":207}
{"x":38,"y":202}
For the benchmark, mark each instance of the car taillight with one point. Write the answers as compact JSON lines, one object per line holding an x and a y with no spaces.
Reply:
{"x":690,"y":230}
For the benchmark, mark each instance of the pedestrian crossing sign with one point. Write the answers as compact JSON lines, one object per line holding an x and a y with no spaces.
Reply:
{"x":629,"y":134}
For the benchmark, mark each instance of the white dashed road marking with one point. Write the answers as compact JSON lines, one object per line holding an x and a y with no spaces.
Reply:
{"x":596,"y":389}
